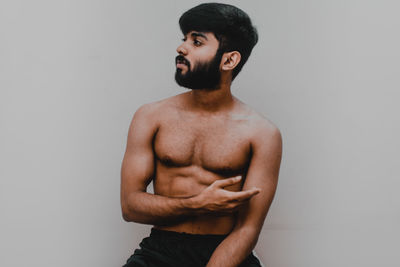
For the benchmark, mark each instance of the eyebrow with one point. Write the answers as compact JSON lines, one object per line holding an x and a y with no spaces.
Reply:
{"x":198,"y":34}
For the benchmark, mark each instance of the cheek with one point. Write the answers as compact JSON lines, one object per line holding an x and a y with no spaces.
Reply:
{"x":192,"y":64}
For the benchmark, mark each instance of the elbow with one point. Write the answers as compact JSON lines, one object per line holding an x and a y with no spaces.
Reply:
{"x":128,"y":212}
{"x":130,"y":216}
{"x":132,"y":211}
{"x":126,"y":216}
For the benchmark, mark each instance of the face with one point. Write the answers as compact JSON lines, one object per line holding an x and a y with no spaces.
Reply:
{"x":198,"y":62}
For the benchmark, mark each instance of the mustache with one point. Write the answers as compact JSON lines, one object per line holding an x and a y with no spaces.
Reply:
{"x":181,"y":59}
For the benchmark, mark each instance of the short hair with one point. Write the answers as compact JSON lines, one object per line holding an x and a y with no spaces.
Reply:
{"x":231,"y":26}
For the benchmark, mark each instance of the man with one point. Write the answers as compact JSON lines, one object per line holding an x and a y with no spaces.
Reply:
{"x":213,"y":160}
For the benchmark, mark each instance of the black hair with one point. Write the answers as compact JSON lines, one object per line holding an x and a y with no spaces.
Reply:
{"x":231,"y":26}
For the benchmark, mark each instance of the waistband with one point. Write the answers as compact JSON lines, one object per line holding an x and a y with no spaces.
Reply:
{"x":157,"y":233}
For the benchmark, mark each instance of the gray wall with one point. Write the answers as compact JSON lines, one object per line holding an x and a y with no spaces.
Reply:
{"x":72,"y":73}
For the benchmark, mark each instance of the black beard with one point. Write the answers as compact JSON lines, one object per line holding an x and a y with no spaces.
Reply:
{"x":206,"y":75}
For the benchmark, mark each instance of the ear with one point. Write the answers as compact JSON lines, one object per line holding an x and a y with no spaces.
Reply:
{"x":230,"y":60}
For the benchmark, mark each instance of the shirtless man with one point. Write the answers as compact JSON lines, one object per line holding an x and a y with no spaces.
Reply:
{"x":213,"y":160}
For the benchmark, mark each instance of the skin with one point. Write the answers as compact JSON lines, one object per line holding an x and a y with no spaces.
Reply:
{"x":213,"y":160}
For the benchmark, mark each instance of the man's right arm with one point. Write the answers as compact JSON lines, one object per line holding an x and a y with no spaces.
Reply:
{"x":138,"y":170}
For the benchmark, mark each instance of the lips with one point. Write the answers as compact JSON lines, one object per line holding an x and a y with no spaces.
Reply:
{"x":180,"y":60}
{"x":180,"y":66}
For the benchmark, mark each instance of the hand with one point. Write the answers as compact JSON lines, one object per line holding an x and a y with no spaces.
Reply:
{"x":217,"y":199}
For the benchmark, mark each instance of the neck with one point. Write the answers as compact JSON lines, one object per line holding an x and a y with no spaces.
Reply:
{"x":213,"y":100}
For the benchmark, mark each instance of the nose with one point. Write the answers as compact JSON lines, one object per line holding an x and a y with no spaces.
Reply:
{"x":181,"y":49}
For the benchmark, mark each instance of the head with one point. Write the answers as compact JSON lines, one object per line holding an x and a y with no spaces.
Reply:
{"x":223,"y":31}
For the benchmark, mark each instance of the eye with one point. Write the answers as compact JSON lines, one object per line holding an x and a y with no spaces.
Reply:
{"x":197,"y":42}
{"x":183,"y":39}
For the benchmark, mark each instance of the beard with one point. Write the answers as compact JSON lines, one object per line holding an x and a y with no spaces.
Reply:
{"x":205,"y":75}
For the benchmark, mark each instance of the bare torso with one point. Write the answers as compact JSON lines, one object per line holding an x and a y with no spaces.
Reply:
{"x":193,"y":149}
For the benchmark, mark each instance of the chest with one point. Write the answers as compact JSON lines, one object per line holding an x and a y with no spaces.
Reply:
{"x":218,"y":145}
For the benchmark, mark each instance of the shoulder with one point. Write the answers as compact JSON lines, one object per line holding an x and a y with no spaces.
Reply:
{"x":262,"y":131}
{"x":155,"y":111}
{"x":265,"y":141}
{"x":265,"y":130}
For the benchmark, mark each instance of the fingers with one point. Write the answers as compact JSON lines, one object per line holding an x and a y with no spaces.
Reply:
{"x":227,"y":182}
{"x":237,"y":199}
{"x":244,"y":195}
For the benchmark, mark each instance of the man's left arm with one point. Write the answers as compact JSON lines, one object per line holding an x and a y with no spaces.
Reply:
{"x":262,"y":173}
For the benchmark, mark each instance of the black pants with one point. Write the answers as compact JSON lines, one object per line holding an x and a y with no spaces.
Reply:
{"x":173,"y":249}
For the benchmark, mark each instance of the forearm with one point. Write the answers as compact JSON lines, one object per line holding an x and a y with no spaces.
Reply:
{"x":145,"y":208}
{"x":235,"y":248}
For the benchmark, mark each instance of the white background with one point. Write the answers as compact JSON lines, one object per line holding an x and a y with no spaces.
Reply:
{"x":72,"y":73}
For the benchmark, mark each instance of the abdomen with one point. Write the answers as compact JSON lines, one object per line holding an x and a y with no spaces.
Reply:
{"x":187,"y":182}
{"x":206,"y":224}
